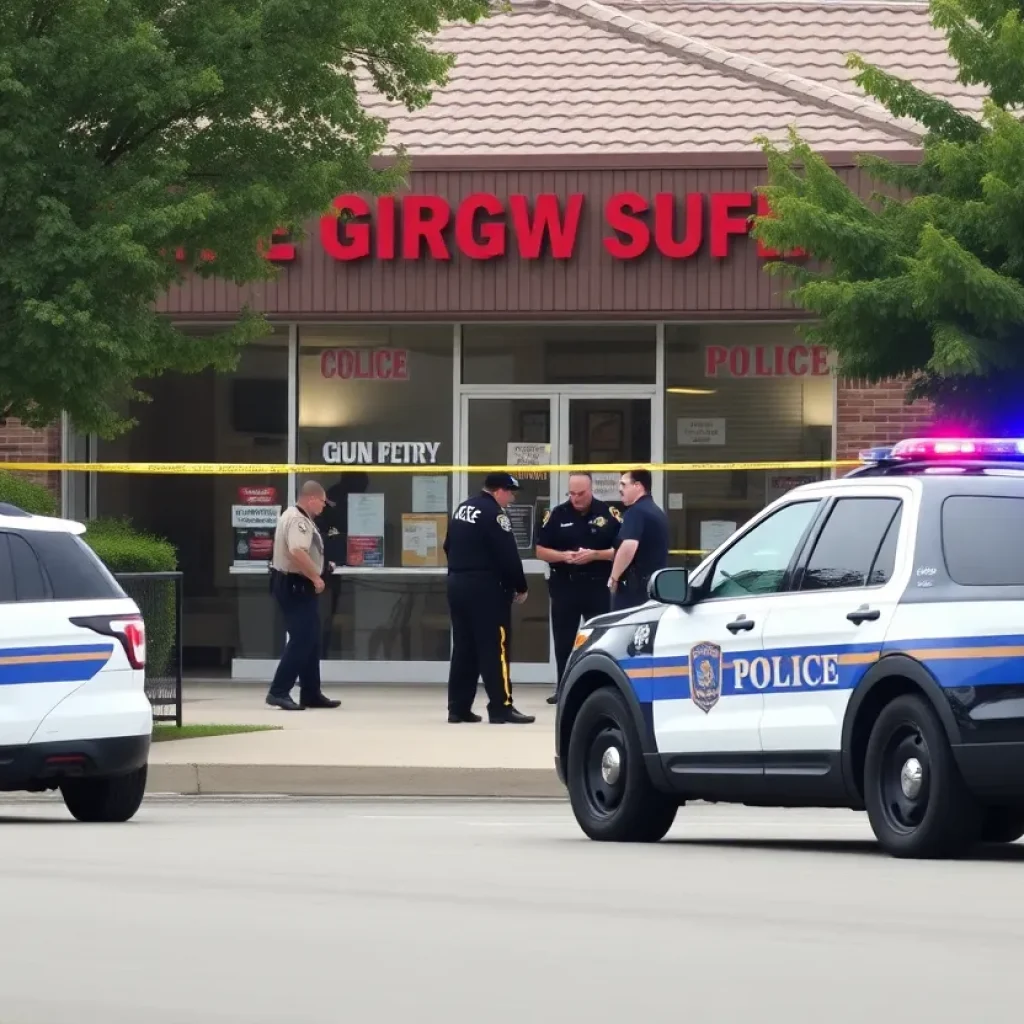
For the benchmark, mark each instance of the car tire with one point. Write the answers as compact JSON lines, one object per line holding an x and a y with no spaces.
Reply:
{"x":1002,"y":825}
{"x":610,"y":792}
{"x":116,"y":798}
{"x":916,"y":799}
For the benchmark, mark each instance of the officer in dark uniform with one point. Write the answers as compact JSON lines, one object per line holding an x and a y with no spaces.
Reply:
{"x":642,"y":543}
{"x":485,"y":575}
{"x":577,"y":539}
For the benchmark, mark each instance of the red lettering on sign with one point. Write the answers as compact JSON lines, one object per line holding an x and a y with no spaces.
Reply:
{"x":724,"y":223}
{"x":664,"y":225}
{"x":621,"y":213}
{"x":356,"y":234}
{"x":766,"y":361}
{"x":546,"y":221}
{"x":424,"y":218}
{"x":386,"y":228}
{"x":365,"y":364}
{"x":487,"y":240}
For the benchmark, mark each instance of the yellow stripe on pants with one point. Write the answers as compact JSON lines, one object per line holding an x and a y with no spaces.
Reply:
{"x":504,"y":667}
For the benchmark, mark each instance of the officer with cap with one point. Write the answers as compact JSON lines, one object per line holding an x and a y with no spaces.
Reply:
{"x":577,"y":538}
{"x":485,"y":575}
{"x":296,"y":581}
{"x":642,"y":544}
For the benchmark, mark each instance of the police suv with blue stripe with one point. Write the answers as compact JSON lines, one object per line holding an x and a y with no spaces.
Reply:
{"x":859,"y":643}
{"x":74,"y":714}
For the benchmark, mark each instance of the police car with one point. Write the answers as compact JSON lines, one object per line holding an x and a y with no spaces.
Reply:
{"x":74,"y":714}
{"x":859,"y":643}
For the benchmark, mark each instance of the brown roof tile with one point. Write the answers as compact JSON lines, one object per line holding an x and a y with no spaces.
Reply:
{"x":671,"y":76}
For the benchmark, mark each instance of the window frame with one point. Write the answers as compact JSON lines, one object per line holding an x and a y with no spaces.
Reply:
{"x":707,"y":573}
{"x":1000,"y":588}
{"x":48,"y":597}
{"x":832,"y":502}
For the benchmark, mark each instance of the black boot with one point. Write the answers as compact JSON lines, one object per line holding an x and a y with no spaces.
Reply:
{"x":510,"y":716}
{"x":456,"y":717}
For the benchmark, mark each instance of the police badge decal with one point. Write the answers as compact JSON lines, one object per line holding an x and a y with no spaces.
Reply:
{"x":705,"y":675}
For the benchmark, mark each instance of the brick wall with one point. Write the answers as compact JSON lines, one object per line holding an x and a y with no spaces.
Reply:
{"x":868,"y":415}
{"x":19,"y":443}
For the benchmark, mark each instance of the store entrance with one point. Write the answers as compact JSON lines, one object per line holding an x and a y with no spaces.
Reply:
{"x":549,"y":427}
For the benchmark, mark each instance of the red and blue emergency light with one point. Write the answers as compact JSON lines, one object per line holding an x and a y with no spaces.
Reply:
{"x":982,"y":449}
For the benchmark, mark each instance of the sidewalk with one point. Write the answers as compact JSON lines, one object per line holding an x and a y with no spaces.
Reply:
{"x":382,"y":741}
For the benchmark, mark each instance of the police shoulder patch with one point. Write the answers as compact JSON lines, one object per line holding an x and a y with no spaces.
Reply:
{"x":615,"y":513}
{"x":302,"y":525}
{"x":505,"y":523}
{"x":547,"y":516}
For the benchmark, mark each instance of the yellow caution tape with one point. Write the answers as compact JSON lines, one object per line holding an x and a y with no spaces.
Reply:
{"x":322,"y":469}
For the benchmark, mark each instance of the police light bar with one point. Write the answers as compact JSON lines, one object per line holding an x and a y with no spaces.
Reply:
{"x":959,"y":448}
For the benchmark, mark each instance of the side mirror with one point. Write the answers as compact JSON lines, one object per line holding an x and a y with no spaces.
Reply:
{"x":670,"y":586}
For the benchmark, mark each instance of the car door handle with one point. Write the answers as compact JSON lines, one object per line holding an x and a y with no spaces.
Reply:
{"x":741,"y":623}
{"x":864,"y":614}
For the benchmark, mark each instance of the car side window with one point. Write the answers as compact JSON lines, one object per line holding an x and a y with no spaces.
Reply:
{"x":849,"y":549}
{"x":7,"y":594}
{"x":30,"y":583}
{"x":757,"y":562}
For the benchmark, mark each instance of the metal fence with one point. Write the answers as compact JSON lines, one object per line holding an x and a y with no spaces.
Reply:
{"x":158,"y":595}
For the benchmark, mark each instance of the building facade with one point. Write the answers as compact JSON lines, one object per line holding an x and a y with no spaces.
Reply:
{"x":556,"y":285}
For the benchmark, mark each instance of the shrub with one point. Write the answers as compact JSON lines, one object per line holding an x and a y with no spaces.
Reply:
{"x":17,"y":489}
{"x":122,"y":548}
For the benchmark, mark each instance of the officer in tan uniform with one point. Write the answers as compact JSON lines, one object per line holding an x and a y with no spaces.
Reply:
{"x":297,"y":580}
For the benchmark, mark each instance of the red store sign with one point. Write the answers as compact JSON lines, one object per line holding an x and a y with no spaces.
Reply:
{"x":484,"y":226}
{"x":365,"y":363}
{"x":766,"y":361}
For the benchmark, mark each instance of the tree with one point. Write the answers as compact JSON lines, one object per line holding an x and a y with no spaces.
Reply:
{"x":924,"y":279}
{"x":132,"y":131}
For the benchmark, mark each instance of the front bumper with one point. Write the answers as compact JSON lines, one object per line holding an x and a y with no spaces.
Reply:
{"x":36,"y":766}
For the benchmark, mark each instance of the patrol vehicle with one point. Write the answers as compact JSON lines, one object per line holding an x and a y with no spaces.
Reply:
{"x":859,"y":643}
{"x":74,"y":714}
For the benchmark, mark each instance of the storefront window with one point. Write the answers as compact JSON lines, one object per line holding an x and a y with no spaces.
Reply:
{"x":375,"y":410}
{"x":739,"y":393}
{"x":541,"y":354}
{"x":220,"y":525}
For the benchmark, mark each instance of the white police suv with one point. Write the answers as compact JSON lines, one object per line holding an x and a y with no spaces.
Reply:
{"x":859,"y":643}
{"x":74,"y":714}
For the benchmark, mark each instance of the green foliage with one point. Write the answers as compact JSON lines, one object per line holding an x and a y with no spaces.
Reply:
{"x":30,"y":497}
{"x":925,"y":278}
{"x":124,"y":549}
{"x":132,"y":128}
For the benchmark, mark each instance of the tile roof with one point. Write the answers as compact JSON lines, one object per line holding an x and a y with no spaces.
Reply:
{"x":672,"y":76}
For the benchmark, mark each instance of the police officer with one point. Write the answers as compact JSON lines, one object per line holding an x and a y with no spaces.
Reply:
{"x":296,"y":571}
{"x":642,"y":542}
{"x":577,"y":539}
{"x":485,"y":575}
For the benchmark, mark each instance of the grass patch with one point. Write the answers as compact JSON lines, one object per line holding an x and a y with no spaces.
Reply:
{"x":162,"y":731}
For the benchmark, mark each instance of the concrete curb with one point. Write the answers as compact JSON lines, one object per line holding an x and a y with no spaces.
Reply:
{"x":353,"y":780}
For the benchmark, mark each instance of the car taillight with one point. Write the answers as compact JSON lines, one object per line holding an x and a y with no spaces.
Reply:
{"x":132,"y":633}
{"x":129,"y":629}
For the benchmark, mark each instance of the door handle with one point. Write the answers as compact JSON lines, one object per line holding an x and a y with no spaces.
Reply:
{"x":741,"y":623}
{"x":864,"y":614}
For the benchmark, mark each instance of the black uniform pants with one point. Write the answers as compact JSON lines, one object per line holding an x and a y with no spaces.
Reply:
{"x":301,"y":658}
{"x":481,"y":614}
{"x":631,"y":592}
{"x":574,"y":599}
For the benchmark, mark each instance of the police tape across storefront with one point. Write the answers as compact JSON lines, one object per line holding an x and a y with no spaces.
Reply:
{"x":279,"y":469}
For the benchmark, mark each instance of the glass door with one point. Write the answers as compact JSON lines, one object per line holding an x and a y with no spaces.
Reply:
{"x":519,"y":432}
{"x":601,"y":431}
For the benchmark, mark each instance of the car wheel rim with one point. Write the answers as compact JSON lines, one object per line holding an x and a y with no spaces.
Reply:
{"x":605,"y":772}
{"x":905,"y":782}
